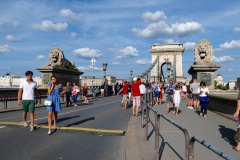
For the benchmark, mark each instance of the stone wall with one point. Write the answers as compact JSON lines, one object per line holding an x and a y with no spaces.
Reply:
{"x":223,"y":104}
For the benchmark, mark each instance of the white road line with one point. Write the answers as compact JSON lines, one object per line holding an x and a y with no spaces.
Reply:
{"x":2,"y":127}
{"x":79,"y":110}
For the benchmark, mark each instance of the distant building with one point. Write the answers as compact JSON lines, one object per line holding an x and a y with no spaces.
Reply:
{"x":219,"y":79}
{"x":10,"y":81}
{"x":91,"y":80}
{"x":232,"y":85}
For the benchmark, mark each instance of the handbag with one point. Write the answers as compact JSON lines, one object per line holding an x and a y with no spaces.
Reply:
{"x":47,"y":103}
{"x":204,"y":99}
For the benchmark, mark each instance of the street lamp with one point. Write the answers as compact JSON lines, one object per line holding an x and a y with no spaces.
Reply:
{"x":104,"y":65}
{"x":131,"y":73}
{"x":93,"y":63}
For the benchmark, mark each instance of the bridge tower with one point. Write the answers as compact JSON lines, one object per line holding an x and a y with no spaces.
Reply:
{"x":167,"y":54}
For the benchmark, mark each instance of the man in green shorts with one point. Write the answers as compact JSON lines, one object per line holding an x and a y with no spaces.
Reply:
{"x":26,"y":95}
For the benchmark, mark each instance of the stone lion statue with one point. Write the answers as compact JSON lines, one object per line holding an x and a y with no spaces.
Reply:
{"x":57,"y":59}
{"x":203,"y":53}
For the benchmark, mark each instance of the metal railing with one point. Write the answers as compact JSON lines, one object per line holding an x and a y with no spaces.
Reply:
{"x":146,"y":100}
{"x":207,"y":145}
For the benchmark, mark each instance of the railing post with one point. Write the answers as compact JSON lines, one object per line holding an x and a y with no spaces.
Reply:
{"x":157,"y":128}
{"x":191,"y":149}
{"x":5,"y":106}
{"x":40,"y":97}
{"x":142,"y":110}
{"x":152,"y":98}
{"x":146,"y":127}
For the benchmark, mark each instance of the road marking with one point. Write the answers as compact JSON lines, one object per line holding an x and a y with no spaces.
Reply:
{"x":88,"y":130}
{"x":2,"y":127}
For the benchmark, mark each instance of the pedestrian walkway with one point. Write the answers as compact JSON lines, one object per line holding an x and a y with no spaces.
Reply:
{"x":215,"y":129}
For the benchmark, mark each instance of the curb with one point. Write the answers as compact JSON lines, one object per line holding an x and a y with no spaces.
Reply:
{"x":81,"y":129}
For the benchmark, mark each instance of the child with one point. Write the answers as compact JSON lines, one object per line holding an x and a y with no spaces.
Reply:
{"x":176,"y":99}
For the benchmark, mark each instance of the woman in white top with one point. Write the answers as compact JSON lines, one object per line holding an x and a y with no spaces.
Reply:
{"x":176,"y":99}
{"x":203,"y":92}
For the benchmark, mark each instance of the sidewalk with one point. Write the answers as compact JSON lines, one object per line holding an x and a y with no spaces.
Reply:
{"x":215,"y":129}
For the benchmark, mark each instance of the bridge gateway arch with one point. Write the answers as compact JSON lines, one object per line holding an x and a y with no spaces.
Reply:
{"x":171,"y":55}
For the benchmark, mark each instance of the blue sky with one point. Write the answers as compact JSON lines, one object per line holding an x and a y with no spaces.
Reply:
{"x":117,"y":32}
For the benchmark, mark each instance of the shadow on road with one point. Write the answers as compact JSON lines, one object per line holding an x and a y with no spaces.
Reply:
{"x":227,"y":134}
{"x":80,"y":122}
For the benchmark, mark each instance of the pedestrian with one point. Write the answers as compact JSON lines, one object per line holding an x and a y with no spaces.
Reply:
{"x":169,"y":91}
{"x":84,"y":92}
{"x":161,"y":91}
{"x":129,"y":92}
{"x":26,"y":94}
{"x":204,"y":100}
{"x":176,"y":99}
{"x":142,"y":90}
{"x":136,"y":95}
{"x":184,"y":91}
{"x":156,"y":93}
{"x":55,"y":90}
{"x":194,"y":87}
{"x":190,"y":97}
{"x":68,"y":94}
{"x":102,"y":90}
{"x":75,"y":93}
{"x":237,"y":116}
{"x":124,"y":90}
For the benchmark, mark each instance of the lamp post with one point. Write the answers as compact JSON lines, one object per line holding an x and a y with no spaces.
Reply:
{"x":104,"y":65}
{"x":93,"y":64}
{"x":131,"y":73}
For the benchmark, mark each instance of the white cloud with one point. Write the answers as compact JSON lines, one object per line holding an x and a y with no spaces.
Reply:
{"x":222,"y":59}
{"x":89,"y":68}
{"x":144,"y":61}
{"x":5,"y":49}
{"x":129,"y":51}
{"x":189,"y":45}
{"x":87,"y":53}
{"x":40,"y":57}
{"x":12,"y":38}
{"x":47,"y":25}
{"x":71,"y":16}
{"x":229,"y":45}
{"x":153,"y":17}
{"x":73,"y":35}
{"x":16,"y":23}
{"x":237,"y":29}
{"x":115,"y":63}
{"x":161,"y":29}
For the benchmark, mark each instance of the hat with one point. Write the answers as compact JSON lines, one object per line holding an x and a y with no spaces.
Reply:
{"x":135,"y":79}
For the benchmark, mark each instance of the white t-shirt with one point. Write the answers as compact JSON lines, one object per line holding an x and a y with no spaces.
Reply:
{"x":142,"y":89}
{"x":28,"y":90}
{"x":204,"y":91}
{"x":184,"y":88}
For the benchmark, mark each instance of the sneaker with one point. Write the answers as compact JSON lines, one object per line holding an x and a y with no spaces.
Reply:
{"x":49,"y":133}
{"x":25,"y":124}
{"x":31,"y":128}
{"x":191,"y":108}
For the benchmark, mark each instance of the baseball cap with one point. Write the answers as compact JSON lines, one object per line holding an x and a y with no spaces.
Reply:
{"x":135,"y":79}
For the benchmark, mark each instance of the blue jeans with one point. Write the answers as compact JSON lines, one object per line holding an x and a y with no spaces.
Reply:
{"x":74,"y":97}
{"x":204,"y":108}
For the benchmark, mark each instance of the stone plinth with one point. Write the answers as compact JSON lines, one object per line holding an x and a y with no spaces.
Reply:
{"x":204,"y":73}
{"x":63,"y":75}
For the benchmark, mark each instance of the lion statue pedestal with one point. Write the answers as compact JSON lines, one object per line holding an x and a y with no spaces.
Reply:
{"x":60,"y":67}
{"x":203,"y":67}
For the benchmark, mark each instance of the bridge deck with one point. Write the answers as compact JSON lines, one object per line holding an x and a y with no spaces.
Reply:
{"x":215,"y":129}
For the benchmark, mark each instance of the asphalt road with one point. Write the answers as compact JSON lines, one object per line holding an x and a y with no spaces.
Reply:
{"x":17,"y":142}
